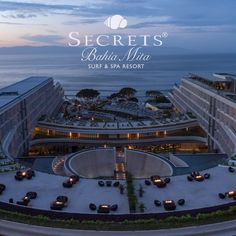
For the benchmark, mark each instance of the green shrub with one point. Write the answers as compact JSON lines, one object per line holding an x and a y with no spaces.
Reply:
{"x":131,"y":194}
{"x":170,"y":222}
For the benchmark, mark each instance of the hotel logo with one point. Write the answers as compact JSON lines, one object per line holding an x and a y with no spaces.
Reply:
{"x":116,"y":22}
{"x":99,"y":50}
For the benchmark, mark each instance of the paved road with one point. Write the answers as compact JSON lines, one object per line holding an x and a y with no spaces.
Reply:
{"x":16,"y":229}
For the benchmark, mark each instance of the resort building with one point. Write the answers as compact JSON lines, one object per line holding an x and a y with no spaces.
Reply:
{"x":213,"y":101}
{"x":107,"y":150}
{"x":21,"y":104}
{"x":31,"y":115}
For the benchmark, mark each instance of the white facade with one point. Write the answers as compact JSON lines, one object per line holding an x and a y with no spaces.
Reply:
{"x":216,"y":113}
{"x":21,"y":104}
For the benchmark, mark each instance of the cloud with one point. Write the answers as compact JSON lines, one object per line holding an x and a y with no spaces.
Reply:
{"x":208,"y":29}
{"x":187,"y":11}
{"x":20,"y":16}
{"x":185,"y":16}
{"x":10,"y":23}
{"x":48,"y":39}
{"x":154,"y":22}
{"x":83,"y":21}
{"x":143,"y":25}
{"x":83,"y":8}
{"x":11,"y":5}
{"x":19,"y":23}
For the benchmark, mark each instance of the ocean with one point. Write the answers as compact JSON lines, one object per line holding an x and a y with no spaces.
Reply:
{"x":161,"y":73}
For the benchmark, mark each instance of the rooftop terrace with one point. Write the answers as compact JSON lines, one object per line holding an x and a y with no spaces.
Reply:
{"x":224,"y":85}
{"x":196,"y":194}
{"x":12,"y":92}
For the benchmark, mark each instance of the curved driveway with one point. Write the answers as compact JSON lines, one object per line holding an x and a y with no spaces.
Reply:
{"x":8,"y":228}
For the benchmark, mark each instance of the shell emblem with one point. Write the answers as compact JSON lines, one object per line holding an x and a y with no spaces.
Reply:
{"x":116,"y":22}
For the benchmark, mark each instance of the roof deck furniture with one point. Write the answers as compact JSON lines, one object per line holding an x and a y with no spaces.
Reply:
{"x":158,"y":182}
{"x":29,"y":177}
{"x":147,"y":182}
{"x":63,"y":199}
{"x":116,"y":184}
{"x":195,"y":173}
{"x":207,"y":176}
{"x":157,"y":203}
{"x":108,"y":183}
{"x":231,"y":169}
{"x":222,"y":195}
{"x":56,"y":205}
{"x":18,"y":173}
{"x":101,"y":183}
{"x":31,"y":195}
{"x":70,"y":181}
{"x":18,"y":177}
{"x":181,"y":202}
{"x":155,"y":177}
{"x":67,"y":184}
{"x":104,"y":208}
{"x":190,"y":178}
{"x":114,"y":207}
{"x":92,"y":207}
{"x":11,"y":200}
{"x":169,"y":205}
{"x":2,"y":188}
{"x":167,"y":180}
{"x":74,"y":178}
{"x":60,"y":203}
{"x":199,"y":178}
{"x":28,"y":174}
{"x":22,"y":203}
{"x":26,"y":199}
{"x":231,"y":194}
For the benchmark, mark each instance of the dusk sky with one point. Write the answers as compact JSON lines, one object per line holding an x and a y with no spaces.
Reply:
{"x":205,"y":25}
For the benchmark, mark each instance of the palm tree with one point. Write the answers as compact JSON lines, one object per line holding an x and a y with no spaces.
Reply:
{"x":142,"y":207}
{"x":141,"y":191}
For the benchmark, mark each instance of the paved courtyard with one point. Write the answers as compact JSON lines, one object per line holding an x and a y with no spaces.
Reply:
{"x":48,"y":187}
{"x":196,"y":194}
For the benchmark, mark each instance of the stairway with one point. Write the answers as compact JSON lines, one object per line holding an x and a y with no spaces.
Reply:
{"x":58,"y":166}
{"x":120,"y":166}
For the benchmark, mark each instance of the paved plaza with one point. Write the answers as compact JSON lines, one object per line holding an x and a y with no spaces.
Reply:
{"x":86,"y":191}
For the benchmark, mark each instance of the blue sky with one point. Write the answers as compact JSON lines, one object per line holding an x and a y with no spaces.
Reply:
{"x":204,"y":25}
